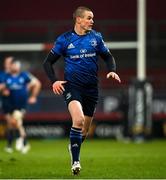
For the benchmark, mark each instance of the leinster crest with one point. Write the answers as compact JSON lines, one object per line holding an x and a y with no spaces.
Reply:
{"x":93,"y":42}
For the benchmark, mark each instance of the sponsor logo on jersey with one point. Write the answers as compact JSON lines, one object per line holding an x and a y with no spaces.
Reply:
{"x":83,"y":55}
{"x":70,"y":46}
{"x":83,"y":50}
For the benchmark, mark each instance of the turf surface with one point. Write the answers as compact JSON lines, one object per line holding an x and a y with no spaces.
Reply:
{"x":100,"y":159}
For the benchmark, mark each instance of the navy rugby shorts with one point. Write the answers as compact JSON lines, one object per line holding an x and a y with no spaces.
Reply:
{"x":87,"y":97}
{"x":6,"y":105}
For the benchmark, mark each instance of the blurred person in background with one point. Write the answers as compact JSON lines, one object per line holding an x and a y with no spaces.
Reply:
{"x":80,"y":48}
{"x":19,"y":88}
{"x":5,"y":101}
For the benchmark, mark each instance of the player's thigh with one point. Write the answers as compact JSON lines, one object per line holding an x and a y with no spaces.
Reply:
{"x":89,"y":105}
{"x":71,"y":93}
{"x":75,"y":109}
{"x":8,"y":119}
{"x":73,"y":101}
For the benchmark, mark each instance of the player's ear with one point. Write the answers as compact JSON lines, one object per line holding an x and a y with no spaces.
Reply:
{"x":78,"y":20}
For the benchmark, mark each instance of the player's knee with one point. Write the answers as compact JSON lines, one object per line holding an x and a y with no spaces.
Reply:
{"x":78,"y":122}
{"x":85,"y":132}
{"x":17,"y":115}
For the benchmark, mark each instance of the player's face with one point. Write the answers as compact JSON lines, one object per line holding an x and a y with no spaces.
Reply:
{"x":15,"y":67}
{"x":86,"y":21}
{"x":7,"y":64}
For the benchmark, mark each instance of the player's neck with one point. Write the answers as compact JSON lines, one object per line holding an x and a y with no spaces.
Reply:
{"x":14,"y":73}
{"x":79,"y":31}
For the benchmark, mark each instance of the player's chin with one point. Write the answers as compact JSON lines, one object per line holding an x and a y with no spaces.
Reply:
{"x":88,"y":29}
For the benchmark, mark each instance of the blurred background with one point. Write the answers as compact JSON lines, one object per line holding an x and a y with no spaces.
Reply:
{"x":36,"y":25}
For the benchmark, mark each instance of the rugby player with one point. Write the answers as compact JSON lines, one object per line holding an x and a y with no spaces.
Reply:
{"x":80,"y":48}
{"x":5,"y":103}
{"x":15,"y":87}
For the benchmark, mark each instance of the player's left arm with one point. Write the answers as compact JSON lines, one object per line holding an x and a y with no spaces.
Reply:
{"x":108,"y":58}
{"x":111,"y":66}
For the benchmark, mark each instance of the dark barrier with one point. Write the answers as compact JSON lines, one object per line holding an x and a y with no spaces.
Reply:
{"x":140,"y":109}
{"x":111,"y":118}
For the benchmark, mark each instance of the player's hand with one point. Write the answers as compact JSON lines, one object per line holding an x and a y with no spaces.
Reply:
{"x":32,"y":100}
{"x":5,"y":92}
{"x":58,"y":87}
{"x":2,"y":86}
{"x":114,"y":76}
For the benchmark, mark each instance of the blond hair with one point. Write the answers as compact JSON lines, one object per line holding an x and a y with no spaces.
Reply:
{"x":79,"y":12}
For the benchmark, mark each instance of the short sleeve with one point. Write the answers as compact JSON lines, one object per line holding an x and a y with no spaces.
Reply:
{"x":32,"y":77}
{"x":58,"y":47}
{"x":102,"y":48}
{"x":26,"y":76}
{"x":2,"y":77}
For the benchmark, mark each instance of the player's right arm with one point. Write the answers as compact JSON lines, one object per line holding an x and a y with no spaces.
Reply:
{"x":2,"y":84}
{"x":52,"y":58}
{"x":3,"y":88}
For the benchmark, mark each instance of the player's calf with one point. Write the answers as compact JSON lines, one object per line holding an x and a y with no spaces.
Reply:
{"x":74,"y":148}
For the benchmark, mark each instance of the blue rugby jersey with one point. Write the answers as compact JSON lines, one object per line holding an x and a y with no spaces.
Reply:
{"x":17,"y":85}
{"x":6,"y":104}
{"x":80,"y":54}
{"x":2,"y":75}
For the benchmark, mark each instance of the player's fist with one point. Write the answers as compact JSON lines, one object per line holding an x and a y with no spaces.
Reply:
{"x":114,"y":76}
{"x":5,"y":92}
{"x":58,"y":87}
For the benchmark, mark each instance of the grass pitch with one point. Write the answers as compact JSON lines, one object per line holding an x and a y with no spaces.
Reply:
{"x":100,"y":159}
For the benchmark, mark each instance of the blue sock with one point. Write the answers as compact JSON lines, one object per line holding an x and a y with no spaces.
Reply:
{"x":9,"y":137}
{"x":17,"y":134}
{"x":25,"y":141}
{"x":75,"y":141}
